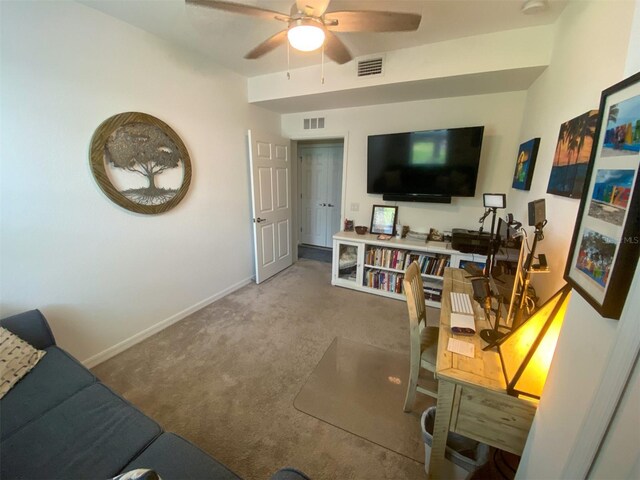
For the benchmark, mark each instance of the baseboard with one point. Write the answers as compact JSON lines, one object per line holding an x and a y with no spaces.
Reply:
{"x":138,"y":337}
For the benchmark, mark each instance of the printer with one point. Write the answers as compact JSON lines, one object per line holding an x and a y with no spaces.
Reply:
{"x":470,"y":241}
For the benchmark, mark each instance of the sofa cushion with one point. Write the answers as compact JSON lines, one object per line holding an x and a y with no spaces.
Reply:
{"x":17,"y":358}
{"x":31,"y":327}
{"x":174,"y":458}
{"x":92,"y":434}
{"x":56,"y":377}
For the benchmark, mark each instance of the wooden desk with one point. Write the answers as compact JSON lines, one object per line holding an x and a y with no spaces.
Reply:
{"x":472,"y":397}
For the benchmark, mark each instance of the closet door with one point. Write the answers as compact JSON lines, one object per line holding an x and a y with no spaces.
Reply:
{"x":313,"y":191}
{"x":320,"y":193}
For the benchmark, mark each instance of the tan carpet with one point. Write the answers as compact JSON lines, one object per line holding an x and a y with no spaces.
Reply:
{"x":226,"y":376}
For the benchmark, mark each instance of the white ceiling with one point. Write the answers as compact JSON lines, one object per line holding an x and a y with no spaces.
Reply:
{"x":227,"y":37}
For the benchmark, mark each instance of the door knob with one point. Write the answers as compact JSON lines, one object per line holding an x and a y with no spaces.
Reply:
{"x":258,"y":220}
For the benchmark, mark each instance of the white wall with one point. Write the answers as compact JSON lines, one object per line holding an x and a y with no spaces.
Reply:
{"x":509,"y":50}
{"x":500,"y":114}
{"x":102,"y":274}
{"x":619,"y":456}
{"x":589,"y":55}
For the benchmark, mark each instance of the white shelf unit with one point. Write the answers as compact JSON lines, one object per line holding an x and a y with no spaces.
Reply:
{"x":364,"y":263}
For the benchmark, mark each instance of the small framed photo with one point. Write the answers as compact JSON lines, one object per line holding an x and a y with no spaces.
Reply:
{"x":606,"y":239}
{"x":525,"y":164}
{"x":383,"y":219}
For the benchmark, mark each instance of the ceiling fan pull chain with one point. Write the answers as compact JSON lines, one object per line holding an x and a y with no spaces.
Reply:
{"x":322,"y":68}
{"x":288,"y":63}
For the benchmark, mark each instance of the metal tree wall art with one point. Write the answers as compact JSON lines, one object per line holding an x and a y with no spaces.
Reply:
{"x":140,"y":163}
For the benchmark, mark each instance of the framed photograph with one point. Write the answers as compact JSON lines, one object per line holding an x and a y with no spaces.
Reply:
{"x":383,"y":219}
{"x":525,"y":164}
{"x":573,"y":151}
{"x":606,"y":239}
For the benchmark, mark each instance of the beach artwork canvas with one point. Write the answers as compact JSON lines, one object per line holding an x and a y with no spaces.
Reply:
{"x":595,"y":256}
{"x":611,"y":193}
{"x":622,"y":136}
{"x":525,"y":164}
{"x":571,"y":159}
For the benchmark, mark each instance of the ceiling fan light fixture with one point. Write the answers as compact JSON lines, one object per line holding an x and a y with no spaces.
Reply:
{"x":305,"y":36}
{"x":532,"y":7}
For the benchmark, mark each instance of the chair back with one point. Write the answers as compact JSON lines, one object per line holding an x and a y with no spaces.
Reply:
{"x":413,"y":290}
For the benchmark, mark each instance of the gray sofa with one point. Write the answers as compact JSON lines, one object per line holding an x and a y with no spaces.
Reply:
{"x":60,"y":421}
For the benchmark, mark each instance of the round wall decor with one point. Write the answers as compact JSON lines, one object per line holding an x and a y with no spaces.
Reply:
{"x":140,"y":163}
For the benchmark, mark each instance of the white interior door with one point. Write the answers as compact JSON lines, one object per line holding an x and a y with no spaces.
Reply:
{"x":334,"y":194}
{"x":320,"y":193}
{"x":271,"y":195}
{"x":313,"y":197}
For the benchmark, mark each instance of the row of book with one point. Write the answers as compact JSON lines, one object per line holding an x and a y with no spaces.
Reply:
{"x":392,"y":282}
{"x":381,"y":280}
{"x":386,"y":257}
{"x":430,"y":264}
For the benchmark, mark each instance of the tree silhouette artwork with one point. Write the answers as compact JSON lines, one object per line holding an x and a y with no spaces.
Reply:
{"x":143,"y":149}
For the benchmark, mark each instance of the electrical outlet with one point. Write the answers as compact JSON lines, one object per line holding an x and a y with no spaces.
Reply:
{"x":355,"y":207}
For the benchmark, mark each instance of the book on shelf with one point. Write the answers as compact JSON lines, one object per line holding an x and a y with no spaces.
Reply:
{"x":433,"y":296}
{"x":385,"y":257}
{"x":429,"y":263}
{"x":383,"y":280}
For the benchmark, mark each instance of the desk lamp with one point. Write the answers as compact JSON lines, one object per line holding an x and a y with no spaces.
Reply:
{"x":526,"y":352}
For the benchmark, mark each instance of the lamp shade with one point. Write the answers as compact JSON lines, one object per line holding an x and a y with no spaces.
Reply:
{"x":305,"y":38}
{"x":527,"y":351}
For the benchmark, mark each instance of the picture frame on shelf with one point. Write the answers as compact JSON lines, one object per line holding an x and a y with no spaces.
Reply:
{"x":525,"y":164}
{"x":383,"y":219}
{"x":606,"y":239}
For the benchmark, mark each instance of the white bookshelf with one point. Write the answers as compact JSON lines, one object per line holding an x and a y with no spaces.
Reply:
{"x":364,"y":263}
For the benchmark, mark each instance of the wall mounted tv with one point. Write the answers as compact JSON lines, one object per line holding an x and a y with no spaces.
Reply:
{"x":426,"y":166}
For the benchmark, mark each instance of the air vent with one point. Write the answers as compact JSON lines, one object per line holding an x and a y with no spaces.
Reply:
{"x":313,"y":123}
{"x":369,"y":67}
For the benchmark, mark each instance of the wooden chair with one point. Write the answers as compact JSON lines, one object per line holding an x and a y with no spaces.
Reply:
{"x":424,"y":340}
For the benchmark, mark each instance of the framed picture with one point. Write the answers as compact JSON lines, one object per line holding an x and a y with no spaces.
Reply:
{"x":606,"y":239}
{"x":383,"y":219}
{"x":525,"y":164}
{"x":140,"y":163}
{"x":573,"y":151}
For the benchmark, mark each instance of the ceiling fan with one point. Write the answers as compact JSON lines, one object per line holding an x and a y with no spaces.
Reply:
{"x":311,"y":26}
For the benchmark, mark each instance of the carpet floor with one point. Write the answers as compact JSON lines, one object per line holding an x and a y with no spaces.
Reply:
{"x":226,"y":377}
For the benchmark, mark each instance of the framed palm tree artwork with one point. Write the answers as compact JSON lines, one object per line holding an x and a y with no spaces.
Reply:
{"x":571,"y":159}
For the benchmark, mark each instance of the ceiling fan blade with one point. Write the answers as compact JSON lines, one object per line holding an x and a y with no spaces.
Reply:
{"x":335,"y":49}
{"x":269,"y":44}
{"x":314,"y":8}
{"x":240,"y":8}
{"x":369,"y":21}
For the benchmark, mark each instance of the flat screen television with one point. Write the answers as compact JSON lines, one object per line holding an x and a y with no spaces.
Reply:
{"x":430,"y":163}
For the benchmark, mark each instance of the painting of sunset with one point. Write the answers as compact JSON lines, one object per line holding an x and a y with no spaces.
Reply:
{"x":571,"y":159}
